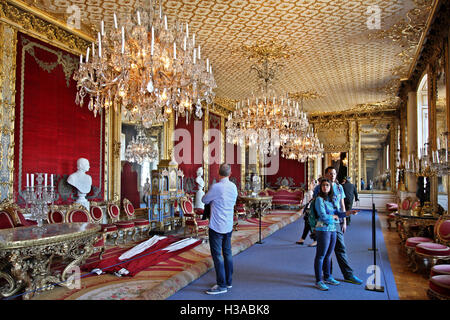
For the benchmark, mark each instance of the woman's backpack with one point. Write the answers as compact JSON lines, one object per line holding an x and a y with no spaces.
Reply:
{"x":312,"y":215}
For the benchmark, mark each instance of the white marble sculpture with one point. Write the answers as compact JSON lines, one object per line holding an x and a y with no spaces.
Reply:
{"x":81,"y":181}
{"x":200,"y":193}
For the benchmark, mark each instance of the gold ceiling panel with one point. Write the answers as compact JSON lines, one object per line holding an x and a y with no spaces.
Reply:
{"x":335,"y":56}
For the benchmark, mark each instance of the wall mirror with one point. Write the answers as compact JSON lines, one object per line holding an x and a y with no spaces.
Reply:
{"x":441,"y":127}
{"x":375,"y":153}
{"x":141,"y":150}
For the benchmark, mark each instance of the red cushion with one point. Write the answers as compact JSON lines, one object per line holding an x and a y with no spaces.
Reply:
{"x":6,"y":221}
{"x":130,"y":209}
{"x":96,"y":213}
{"x":406,"y":204}
{"x":440,"y":269}
{"x":124,"y":224}
{"x":114,"y":210}
{"x":78,"y":216}
{"x":200,"y":223}
{"x":187,"y":206}
{"x":56,"y":217}
{"x":199,"y":211}
{"x":141,"y":222}
{"x":444,"y":230}
{"x":440,"y":284}
{"x":108,"y":227}
{"x":414,"y":241}
{"x":392,"y":215}
{"x":415,"y":204}
{"x":433,"y":249}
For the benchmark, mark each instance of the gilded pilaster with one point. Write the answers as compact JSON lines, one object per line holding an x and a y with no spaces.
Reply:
{"x":242,"y":168}
{"x":353,"y":152}
{"x":114,"y":163}
{"x":393,"y":161}
{"x":169,"y":128}
{"x":432,"y":95}
{"x":206,"y":149}
{"x":8,"y":46}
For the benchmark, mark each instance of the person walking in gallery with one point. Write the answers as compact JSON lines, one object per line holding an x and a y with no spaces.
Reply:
{"x":351,"y":194}
{"x":328,"y":217}
{"x":222,"y":196}
{"x":341,"y":227}
{"x":307,"y":228}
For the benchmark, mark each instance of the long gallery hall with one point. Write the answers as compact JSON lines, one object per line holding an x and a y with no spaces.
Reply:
{"x":203,"y":151}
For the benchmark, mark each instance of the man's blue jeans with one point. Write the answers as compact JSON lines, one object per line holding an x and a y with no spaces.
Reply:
{"x":325,"y":246}
{"x":341,"y":254}
{"x":220,"y":245}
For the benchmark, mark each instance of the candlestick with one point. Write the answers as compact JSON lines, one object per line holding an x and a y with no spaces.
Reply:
{"x":103,"y":28}
{"x":195,"y":55}
{"x":115,"y":20}
{"x":139,"y":18}
{"x":187,"y":30}
{"x":45,"y":179}
{"x":81,"y":58}
{"x":28,"y":180}
{"x":32,"y":180}
{"x":123,"y":40}
{"x":99,"y":45}
{"x":153,"y":40}
{"x":174,"y":50}
{"x":199,"y":57}
{"x":51,"y":179}
{"x":87,"y":55}
{"x":165,"y":22}
{"x":185,"y":43}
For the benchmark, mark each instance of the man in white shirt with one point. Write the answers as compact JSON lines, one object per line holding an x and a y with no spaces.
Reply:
{"x":222,"y":196}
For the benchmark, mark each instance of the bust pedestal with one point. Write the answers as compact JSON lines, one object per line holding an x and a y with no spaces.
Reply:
{"x":82,"y":200}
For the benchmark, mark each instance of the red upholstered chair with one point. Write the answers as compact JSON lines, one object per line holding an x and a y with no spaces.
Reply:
{"x":440,"y":269}
{"x":193,"y":223}
{"x":110,"y":230}
{"x":80,"y":214}
{"x":432,"y":252}
{"x":141,"y":225}
{"x":6,"y":220}
{"x":439,"y":287}
{"x":124,"y":227}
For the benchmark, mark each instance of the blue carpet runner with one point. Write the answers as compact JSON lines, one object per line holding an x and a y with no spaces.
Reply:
{"x":279,"y":269}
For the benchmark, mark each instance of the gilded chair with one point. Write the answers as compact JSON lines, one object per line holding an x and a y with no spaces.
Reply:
{"x":141,"y":225}
{"x":110,"y":230}
{"x":124,"y":227}
{"x":193,"y":223}
{"x":77,"y":214}
{"x":431,"y":252}
{"x":15,"y":213}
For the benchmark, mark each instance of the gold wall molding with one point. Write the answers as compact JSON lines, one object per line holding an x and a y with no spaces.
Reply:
{"x":7,"y":105}
{"x":36,"y":24}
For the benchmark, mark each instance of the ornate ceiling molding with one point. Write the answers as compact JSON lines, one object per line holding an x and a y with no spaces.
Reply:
{"x":36,"y":23}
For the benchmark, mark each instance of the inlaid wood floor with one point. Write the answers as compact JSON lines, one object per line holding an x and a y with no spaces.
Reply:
{"x":410,"y":285}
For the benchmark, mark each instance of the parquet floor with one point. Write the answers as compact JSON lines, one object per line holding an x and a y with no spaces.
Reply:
{"x":410,"y":285}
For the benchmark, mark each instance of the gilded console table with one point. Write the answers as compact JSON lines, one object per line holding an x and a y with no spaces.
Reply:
{"x":26,"y":254}
{"x":409,"y":225}
{"x":257,"y":205}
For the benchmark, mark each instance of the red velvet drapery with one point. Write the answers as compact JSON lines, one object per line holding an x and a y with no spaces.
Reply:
{"x":51,"y":131}
{"x":291,"y":171}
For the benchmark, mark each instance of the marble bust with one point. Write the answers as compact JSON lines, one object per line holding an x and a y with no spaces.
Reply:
{"x":81,"y":181}
{"x":200,"y":193}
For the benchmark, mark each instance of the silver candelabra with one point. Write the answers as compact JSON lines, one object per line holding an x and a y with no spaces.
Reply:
{"x":38,"y":197}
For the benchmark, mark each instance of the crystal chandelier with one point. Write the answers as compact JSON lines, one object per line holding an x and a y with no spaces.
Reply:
{"x":146,"y":69}
{"x":265,"y":121}
{"x":307,"y":146}
{"x":141,"y":149}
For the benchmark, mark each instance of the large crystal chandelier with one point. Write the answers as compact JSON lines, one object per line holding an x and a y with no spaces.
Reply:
{"x":141,"y":148}
{"x":307,"y":146}
{"x":147,"y":69}
{"x":265,"y":121}
{"x":305,"y":143}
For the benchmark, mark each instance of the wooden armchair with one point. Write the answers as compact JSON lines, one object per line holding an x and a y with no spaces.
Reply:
{"x":109,"y":230}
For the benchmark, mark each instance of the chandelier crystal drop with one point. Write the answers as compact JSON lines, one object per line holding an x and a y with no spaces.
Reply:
{"x":146,"y":69}
{"x":141,"y":149}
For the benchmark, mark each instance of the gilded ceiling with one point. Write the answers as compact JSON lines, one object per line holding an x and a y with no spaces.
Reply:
{"x":336,"y":48}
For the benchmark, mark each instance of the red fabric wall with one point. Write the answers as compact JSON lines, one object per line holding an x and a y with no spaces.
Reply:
{"x":128,"y":185}
{"x":287,"y":169}
{"x":188,"y":146}
{"x":234,"y":162}
{"x":214,"y":147}
{"x":54,"y":131}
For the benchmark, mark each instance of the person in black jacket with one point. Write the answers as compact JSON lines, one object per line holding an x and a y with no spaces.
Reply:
{"x":350,"y":194}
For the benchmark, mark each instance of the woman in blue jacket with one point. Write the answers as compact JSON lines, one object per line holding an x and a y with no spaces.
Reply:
{"x":327,"y":214}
